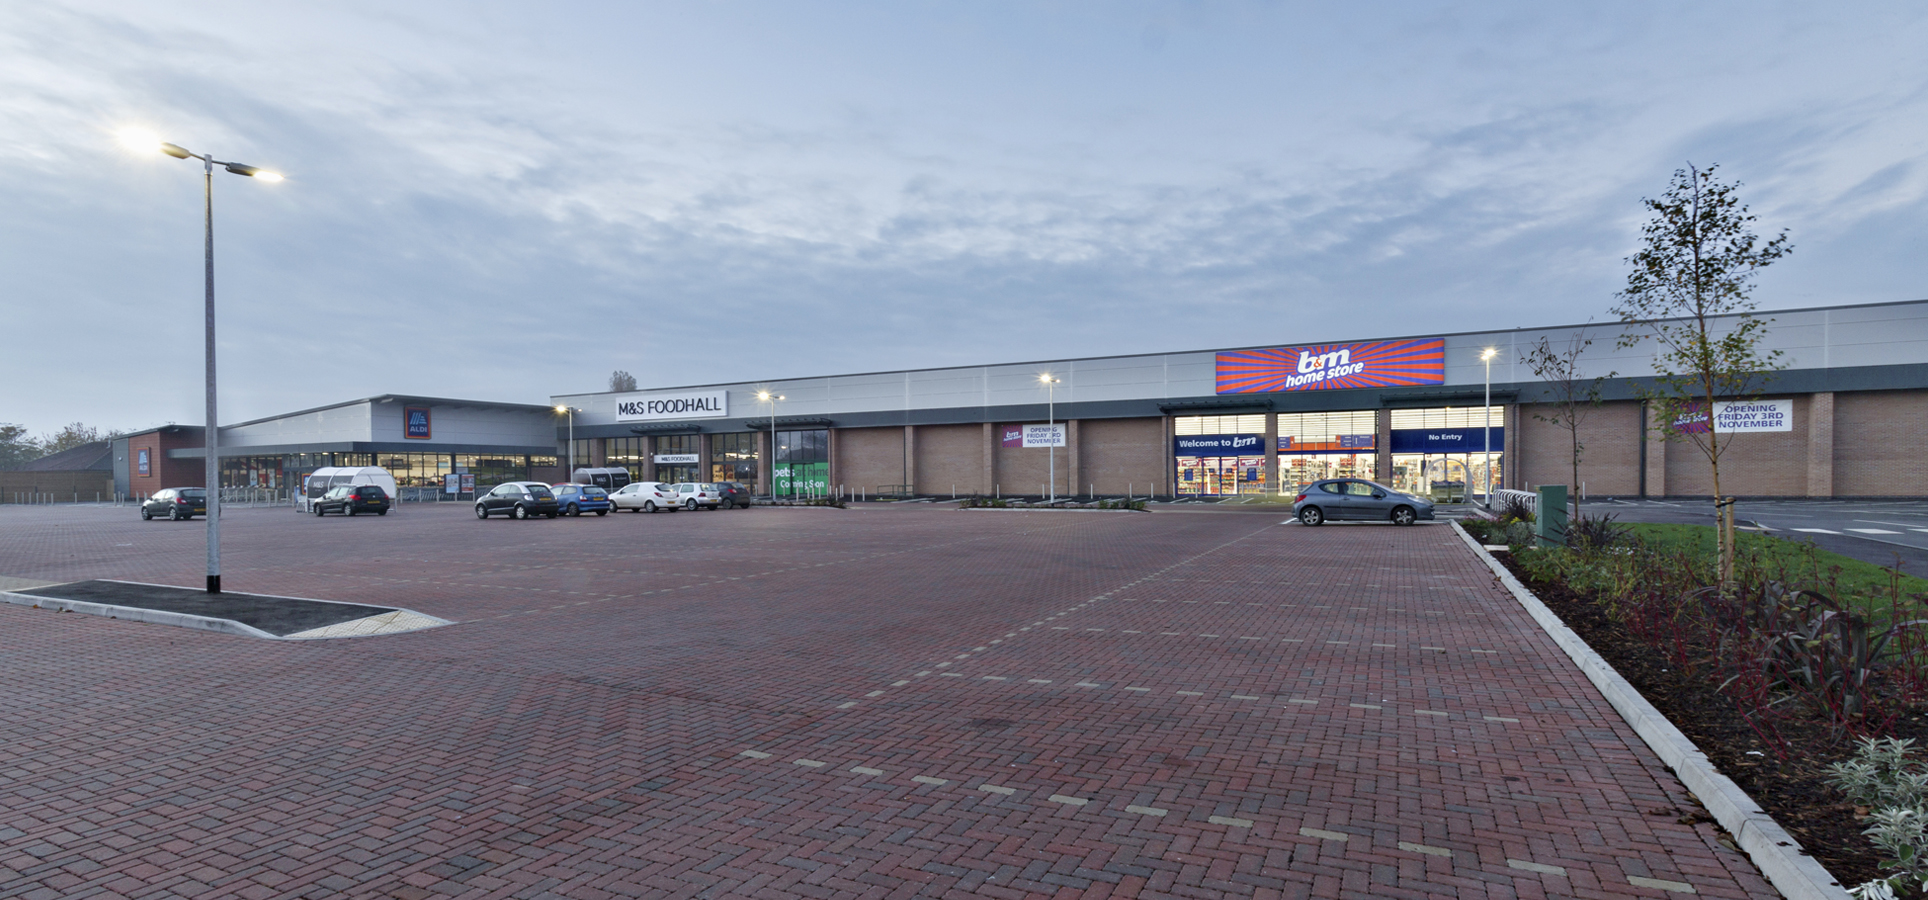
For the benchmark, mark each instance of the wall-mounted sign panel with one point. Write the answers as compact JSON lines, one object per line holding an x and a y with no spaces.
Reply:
{"x":1739,"y":415}
{"x":678,"y":459}
{"x":415,"y":423}
{"x":1446,"y":440}
{"x":1044,"y":435}
{"x":1333,"y":366}
{"x":145,"y":467}
{"x":647,"y":407}
{"x":1340,"y":443}
{"x":1219,"y":445}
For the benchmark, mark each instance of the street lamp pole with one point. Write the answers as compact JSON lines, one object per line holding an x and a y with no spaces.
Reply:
{"x":1051,"y":419}
{"x":771,"y":469}
{"x":1486,"y":419}
{"x":211,"y":471}
{"x":571,"y":474}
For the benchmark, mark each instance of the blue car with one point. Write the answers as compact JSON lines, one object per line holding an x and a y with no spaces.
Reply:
{"x":576,"y":499}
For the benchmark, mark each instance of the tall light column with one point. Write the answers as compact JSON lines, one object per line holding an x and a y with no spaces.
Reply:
{"x":1486,"y":419}
{"x":1051,"y":418}
{"x":570,"y":475}
{"x":770,"y":470}
{"x":212,"y":465}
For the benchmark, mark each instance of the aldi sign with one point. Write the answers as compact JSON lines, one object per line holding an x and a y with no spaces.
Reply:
{"x":415,"y":423}
{"x":1333,"y":366}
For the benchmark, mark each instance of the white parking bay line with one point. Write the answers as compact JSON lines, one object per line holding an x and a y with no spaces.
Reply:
{"x":1815,"y":531}
{"x":1872,"y":531}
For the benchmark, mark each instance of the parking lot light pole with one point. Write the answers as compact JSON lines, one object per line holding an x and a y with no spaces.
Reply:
{"x":570,"y":476}
{"x":212,"y":467}
{"x":770,"y":470}
{"x":1486,"y":419}
{"x":1051,"y":419}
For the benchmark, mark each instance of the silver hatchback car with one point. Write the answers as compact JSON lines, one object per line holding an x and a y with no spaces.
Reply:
{"x":1351,"y":499}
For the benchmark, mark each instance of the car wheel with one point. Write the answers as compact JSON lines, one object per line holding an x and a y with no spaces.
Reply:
{"x":575,"y":510}
{"x":381,"y":512}
{"x":348,"y":509}
{"x":602,"y":512}
{"x":317,"y":510}
{"x":520,"y":512}
{"x":1311,"y":516}
{"x":691,"y":505}
{"x":481,"y":512}
{"x":146,"y":516}
{"x":553,"y":515}
{"x":1403,"y":515}
{"x":729,"y":504}
{"x":649,"y":506}
{"x":174,"y":514}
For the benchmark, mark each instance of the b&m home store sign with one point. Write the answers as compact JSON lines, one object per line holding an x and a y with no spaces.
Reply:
{"x":1333,"y":366}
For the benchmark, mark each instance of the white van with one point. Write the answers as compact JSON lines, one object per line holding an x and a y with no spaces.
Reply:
{"x":611,"y":479}
{"x":320,"y":480}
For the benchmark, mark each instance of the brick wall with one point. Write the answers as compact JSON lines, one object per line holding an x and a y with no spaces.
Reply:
{"x":950,"y":457}
{"x":1875,"y":449}
{"x":163,"y":472}
{"x":1120,"y":453}
{"x":1609,"y":457}
{"x":89,"y":485}
{"x":1025,"y":470}
{"x":868,"y":457}
{"x":1759,"y":464}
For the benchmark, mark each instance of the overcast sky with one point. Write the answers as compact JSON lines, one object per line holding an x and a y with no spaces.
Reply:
{"x":502,"y":201}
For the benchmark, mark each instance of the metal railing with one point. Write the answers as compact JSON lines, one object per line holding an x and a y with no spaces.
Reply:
{"x":1529,"y":498}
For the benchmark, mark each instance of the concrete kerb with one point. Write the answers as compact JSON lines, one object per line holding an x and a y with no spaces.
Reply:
{"x":1796,"y":875}
{"x":176,"y":619}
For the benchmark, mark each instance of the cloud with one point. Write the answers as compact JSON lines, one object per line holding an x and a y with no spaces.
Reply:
{"x":487,"y":202}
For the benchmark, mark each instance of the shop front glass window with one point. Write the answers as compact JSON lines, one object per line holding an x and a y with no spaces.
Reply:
{"x":802,"y":464}
{"x":733,"y":457}
{"x":1439,"y":452}
{"x":1314,"y":446}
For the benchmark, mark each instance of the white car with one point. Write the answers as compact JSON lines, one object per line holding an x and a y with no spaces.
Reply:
{"x":699,"y":495}
{"x":646,"y":496}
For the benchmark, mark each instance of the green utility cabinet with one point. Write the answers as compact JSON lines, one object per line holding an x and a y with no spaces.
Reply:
{"x":1550,"y":521}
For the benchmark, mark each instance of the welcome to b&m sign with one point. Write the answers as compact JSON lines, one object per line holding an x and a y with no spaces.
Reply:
{"x":1333,"y":366}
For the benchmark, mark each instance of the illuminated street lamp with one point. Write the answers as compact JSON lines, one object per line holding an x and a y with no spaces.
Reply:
{"x":1051,"y":416}
{"x":213,"y":463}
{"x":571,"y":410}
{"x":1486,"y":419}
{"x":770,"y":470}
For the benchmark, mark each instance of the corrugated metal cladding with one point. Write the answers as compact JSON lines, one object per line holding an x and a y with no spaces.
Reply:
{"x":1814,"y":343}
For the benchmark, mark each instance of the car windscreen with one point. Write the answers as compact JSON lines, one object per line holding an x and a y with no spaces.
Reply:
{"x":195,"y":494}
{"x":594,"y":492}
{"x":369,"y":490}
{"x":539,"y":491}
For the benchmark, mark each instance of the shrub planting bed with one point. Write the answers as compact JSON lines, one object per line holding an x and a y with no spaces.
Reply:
{"x":1773,"y":678}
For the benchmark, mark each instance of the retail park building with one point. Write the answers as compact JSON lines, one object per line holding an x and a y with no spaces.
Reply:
{"x":1840,"y":419}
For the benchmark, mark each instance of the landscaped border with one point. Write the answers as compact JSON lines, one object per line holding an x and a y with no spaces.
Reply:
{"x":1795,"y":874}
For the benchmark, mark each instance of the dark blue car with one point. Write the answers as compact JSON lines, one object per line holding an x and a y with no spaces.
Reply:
{"x":576,"y":499}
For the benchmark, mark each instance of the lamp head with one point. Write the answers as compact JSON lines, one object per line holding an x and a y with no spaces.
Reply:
{"x":252,"y":171}
{"x":562,"y":409}
{"x":1489,"y":353}
{"x":175,"y":151}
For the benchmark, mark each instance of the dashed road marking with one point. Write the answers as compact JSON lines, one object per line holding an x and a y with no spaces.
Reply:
{"x":1677,"y":887}
{"x":755,"y":754}
{"x":997,"y":789}
{"x":1146,"y":810}
{"x":926,"y":779}
{"x":1323,"y":835}
{"x":809,"y":763}
{"x":1422,"y":848}
{"x":1537,"y":867}
{"x":866,"y":770}
{"x":1069,"y":801}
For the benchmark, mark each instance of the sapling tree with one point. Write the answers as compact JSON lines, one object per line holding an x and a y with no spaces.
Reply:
{"x":620,"y":380}
{"x":1689,"y":295}
{"x":1574,"y":396}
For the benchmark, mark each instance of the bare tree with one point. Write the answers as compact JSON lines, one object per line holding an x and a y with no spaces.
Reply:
{"x":1573,"y":396}
{"x":620,"y":380}
{"x":71,"y":435}
{"x":1689,"y":294}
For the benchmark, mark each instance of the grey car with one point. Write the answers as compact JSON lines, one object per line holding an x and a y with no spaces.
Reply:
{"x":1356,"y":500}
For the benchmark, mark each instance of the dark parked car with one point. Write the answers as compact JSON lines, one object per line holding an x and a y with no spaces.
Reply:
{"x":350,"y":499}
{"x":1350,"y":499}
{"x":736,"y":494}
{"x":576,"y":499}
{"x":518,"y":500}
{"x":176,"y":504}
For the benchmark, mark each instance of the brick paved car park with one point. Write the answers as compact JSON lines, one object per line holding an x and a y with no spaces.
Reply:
{"x":880,"y":702}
